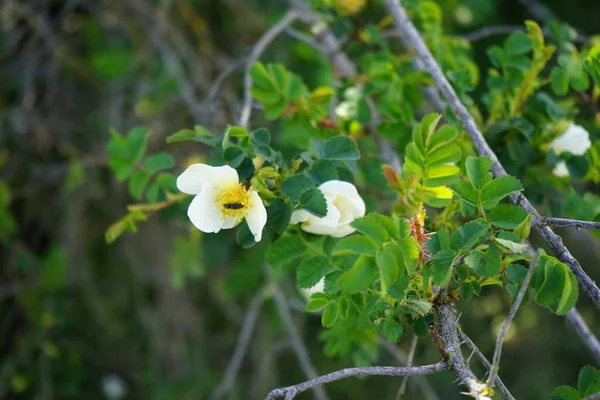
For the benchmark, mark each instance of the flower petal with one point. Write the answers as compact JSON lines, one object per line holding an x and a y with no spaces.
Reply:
{"x":347,"y":191}
{"x":205,"y":213}
{"x":198,"y":176}
{"x":257,"y":215}
{"x":318,"y":288}
{"x":561,"y":169}
{"x":575,"y":140}
{"x":231,"y":222}
{"x":299,"y":216}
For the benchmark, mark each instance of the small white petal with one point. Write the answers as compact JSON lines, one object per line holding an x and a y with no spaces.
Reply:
{"x":575,"y":140}
{"x":198,"y":176}
{"x":299,"y":216}
{"x":561,"y":169}
{"x":347,"y":191}
{"x":231,"y":222}
{"x":318,"y":288}
{"x":257,"y":215}
{"x":205,"y":213}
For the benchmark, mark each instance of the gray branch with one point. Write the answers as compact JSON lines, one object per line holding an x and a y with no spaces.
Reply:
{"x":448,"y":329}
{"x":255,"y":53}
{"x":584,"y":332}
{"x":290,"y":392}
{"x":488,"y":31}
{"x":593,"y":397}
{"x":297,"y":344}
{"x":409,"y":362}
{"x":511,"y":315}
{"x":402,"y":358}
{"x":467,"y":340}
{"x":554,"y":242}
{"x":564,"y":222}
{"x":241,"y":346}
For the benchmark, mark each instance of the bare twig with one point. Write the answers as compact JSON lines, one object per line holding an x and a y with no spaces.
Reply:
{"x":290,"y":392}
{"x":448,"y":331}
{"x":411,"y":356}
{"x":487,"y":31}
{"x":593,"y":397}
{"x":402,"y":358}
{"x":303,"y":37}
{"x":511,"y":315}
{"x":297,"y":344}
{"x":467,"y":340}
{"x":255,"y":53}
{"x":554,"y":242}
{"x":216,"y":86}
{"x":241,"y":346}
{"x":538,"y":10}
{"x":584,"y":333}
{"x":563,"y":222}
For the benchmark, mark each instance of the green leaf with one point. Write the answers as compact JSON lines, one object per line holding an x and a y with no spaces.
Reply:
{"x":442,"y":267}
{"x":344,"y":307}
{"x":588,"y":382}
{"x":355,"y":245}
{"x":322,"y":171}
{"x":477,"y":171}
{"x":498,"y":189}
{"x":244,"y":237}
{"x":330,"y":315}
{"x":138,"y":183}
{"x":467,"y":192}
{"x":565,"y":393}
{"x":468,"y":236}
{"x":524,"y":228}
{"x":392,"y":330}
{"x":340,"y":148}
{"x":316,"y":304}
{"x":517,"y":43}
{"x":157,"y":162}
{"x":485,"y":264}
{"x":310,"y":272}
{"x":314,"y":202}
{"x":388,"y":268}
{"x":295,"y":185}
{"x":507,"y":216}
{"x":261,"y":136}
{"x":284,"y":250}
{"x":370,"y":226}
{"x":555,"y":285}
{"x":559,"y":80}
{"x":261,"y":77}
{"x":359,"y":277}
{"x":516,"y":273}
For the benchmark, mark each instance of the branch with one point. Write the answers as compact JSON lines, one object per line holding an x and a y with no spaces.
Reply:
{"x":241,"y":346}
{"x":409,"y":361}
{"x":402,"y":358}
{"x":511,"y":315}
{"x":448,"y":331}
{"x":255,"y":53}
{"x":593,"y":397}
{"x":538,"y":10}
{"x":467,"y":340}
{"x":299,"y":348}
{"x":562,"y":222}
{"x":584,"y":333}
{"x":290,"y":391}
{"x":216,"y":86}
{"x":554,"y":242}
{"x":487,"y":31}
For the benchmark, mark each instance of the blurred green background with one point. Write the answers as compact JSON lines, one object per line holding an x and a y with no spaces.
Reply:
{"x":156,"y":315}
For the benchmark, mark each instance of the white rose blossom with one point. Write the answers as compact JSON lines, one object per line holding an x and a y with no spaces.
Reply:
{"x":318,"y":288}
{"x":575,"y":140}
{"x":344,"y":205}
{"x":221,"y":201}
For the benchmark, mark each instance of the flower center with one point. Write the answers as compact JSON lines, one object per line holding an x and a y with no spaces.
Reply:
{"x":233,"y":201}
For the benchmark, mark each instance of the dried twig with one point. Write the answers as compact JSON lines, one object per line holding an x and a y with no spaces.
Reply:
{"x":467,"y":340}
{"x":402,"y":358}
{"x":411,"y":356}
{"x":584,"y":332}
{"x":241,"y":346}
{"x":511,"y":315}
{"x":290,"y":392}
{"x":487,"y":31}
{"x":297,"y":344}
{"x":554,"y":242}
{"x":255,"y":53}
{"x":564,"y":222}
{"x":448,"y":331}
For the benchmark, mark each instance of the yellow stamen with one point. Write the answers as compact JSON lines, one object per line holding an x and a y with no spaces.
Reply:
{"x":233,"y":201}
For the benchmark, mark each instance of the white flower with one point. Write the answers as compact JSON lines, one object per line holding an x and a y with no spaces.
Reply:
{"x":221,"y":201}
{"x":344,"y":205}
{"x":318,"y":288}
{"x":575,"y":140}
